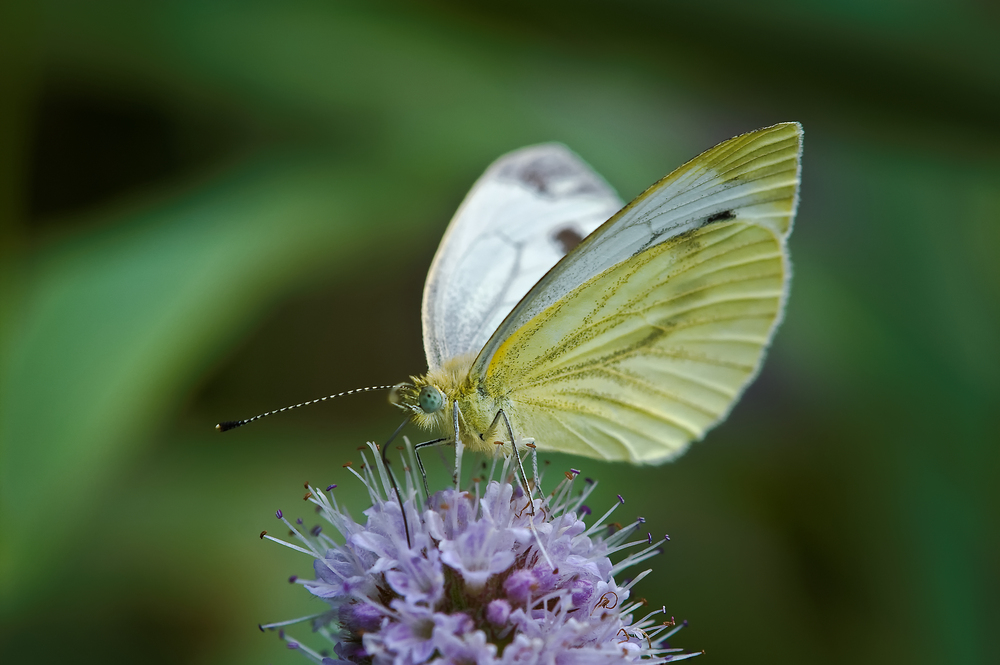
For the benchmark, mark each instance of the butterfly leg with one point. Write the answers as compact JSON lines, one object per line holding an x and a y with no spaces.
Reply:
{"x":459,"y":447}
{"x":529,"y":492}
{"x":524,"y":478}
{"x":420,"y":462}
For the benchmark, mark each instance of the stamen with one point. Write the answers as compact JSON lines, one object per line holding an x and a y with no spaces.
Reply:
{"x":625,"y":546}
{"x":638,"y":577}
{"x":298,"y":646}
{"x":278,"y":624}
{"x":289,"y":545}
{"x":638,"y":557}
{"x":599,"y":524}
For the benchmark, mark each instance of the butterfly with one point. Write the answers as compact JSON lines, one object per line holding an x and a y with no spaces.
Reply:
{"x":557,"y":318}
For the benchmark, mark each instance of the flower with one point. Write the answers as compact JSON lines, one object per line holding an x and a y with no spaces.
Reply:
{"x":485,"y":575}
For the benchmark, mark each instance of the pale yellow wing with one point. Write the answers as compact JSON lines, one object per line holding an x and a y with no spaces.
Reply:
{"x":752,"y":177}
{"x":645,"y":356}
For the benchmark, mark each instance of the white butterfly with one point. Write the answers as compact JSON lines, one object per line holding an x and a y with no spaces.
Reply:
{"x":623,"y":339}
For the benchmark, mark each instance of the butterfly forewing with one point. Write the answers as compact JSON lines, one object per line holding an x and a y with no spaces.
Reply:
{"x":753,"y":177}
{"x":641,"y":357}
{"x":525,"y":213}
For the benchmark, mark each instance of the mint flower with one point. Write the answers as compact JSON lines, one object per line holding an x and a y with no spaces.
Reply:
{"x":489,"y":576}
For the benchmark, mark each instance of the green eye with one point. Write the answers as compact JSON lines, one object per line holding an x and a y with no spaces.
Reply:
{"x":430,"y":400}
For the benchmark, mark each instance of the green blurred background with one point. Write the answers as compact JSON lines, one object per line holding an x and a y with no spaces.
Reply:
{"x":212,"y":209}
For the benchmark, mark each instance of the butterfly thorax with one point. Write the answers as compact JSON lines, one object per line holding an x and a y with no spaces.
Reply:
{"x":477,"y":411}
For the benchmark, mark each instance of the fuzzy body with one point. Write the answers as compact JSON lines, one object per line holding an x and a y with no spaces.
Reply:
{"x":477,"y":408}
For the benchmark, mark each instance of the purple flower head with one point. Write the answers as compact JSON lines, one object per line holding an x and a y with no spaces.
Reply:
{"x":491,"y":575}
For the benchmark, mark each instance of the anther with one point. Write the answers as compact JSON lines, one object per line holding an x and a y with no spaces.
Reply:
{"x":531,"y":445}
{"x":258,"y":625}
{"x":575,"y":472}
{"x":620,"y":499}
{"x":307,"y":496}
{"x":262,"y":534}
{"x":278,"y":513}
{"x":330,"y":487}
{"x":291,"y":580}
{"x":347,"y":464}
{"x":306,"y":484}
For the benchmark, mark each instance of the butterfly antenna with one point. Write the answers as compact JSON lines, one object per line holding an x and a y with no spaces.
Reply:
{"x":233,"y":424}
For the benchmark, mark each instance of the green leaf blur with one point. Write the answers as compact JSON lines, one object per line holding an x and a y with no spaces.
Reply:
{"x":213,"y":209}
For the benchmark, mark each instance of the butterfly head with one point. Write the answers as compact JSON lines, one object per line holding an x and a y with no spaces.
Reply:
{"x":421,"y":398}
{"x":429,"y":398}
{"x":427,"y":404}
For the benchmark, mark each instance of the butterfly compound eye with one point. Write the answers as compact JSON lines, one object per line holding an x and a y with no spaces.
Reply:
{"x":430,"y":400}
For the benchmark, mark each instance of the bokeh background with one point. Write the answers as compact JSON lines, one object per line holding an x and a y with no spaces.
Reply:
{"x":212,"y":209}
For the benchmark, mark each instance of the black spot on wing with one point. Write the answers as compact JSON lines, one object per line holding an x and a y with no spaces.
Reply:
{"x":723,"y":216}
{"x":567,"y":238}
